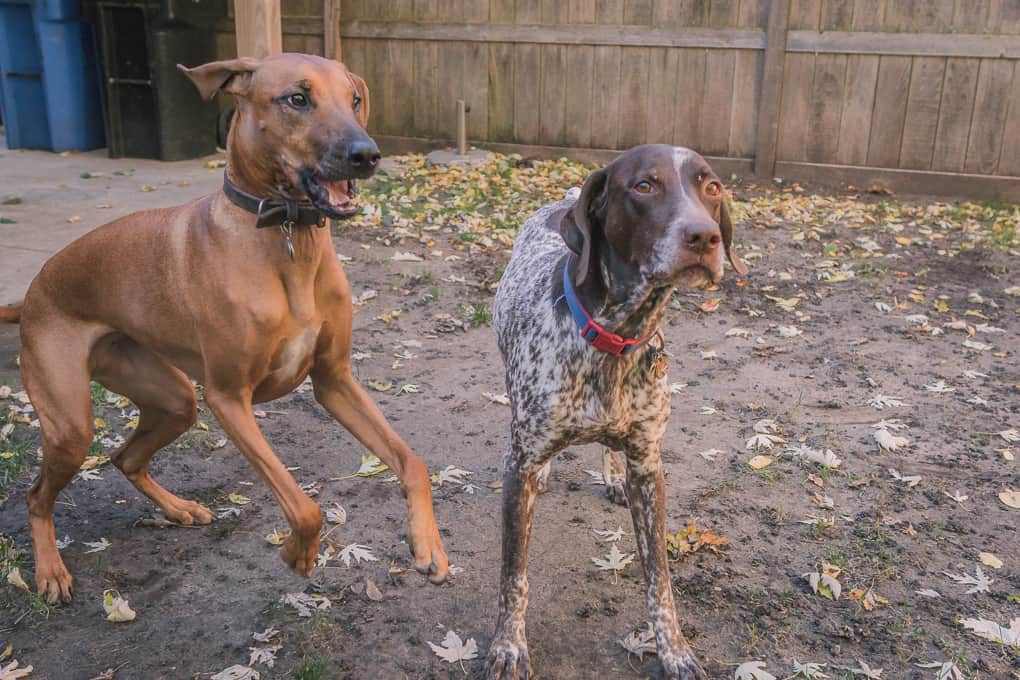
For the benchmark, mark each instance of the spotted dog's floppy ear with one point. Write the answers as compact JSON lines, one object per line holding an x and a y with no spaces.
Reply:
{"x":232,"y":76}
{"x":576,"y":225}
{"x":362,"y":88}
{"x":726,"y":227}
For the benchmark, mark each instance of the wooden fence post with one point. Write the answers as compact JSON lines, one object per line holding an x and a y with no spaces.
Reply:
{"x":258,"y":29}
{"x":331,"y":29}
{"x":767,"y":135}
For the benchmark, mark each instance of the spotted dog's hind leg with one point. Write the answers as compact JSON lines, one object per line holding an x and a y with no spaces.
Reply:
{"x":646,"y":493}
{"x":613,"y":474}
{"x":508,"y":653}
{"x":542,"y":483}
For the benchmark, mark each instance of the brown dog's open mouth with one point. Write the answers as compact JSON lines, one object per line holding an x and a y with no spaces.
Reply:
{"x":335,"y":198}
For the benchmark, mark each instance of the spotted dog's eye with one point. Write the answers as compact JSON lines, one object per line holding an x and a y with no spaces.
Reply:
{"x":644,"y":187}
{"x":298,"y":101}
{"x":713,"y":188}
{"x":357,"y":103}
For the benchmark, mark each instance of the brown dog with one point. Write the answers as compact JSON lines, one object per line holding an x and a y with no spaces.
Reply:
{"x":148,"y":300}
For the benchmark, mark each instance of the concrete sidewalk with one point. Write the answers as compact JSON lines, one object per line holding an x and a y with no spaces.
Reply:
{"x":62,"y":196}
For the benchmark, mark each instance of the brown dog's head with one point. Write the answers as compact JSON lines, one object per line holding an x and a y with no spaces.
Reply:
{"x":299,"y":129}
{"x":656,"y":216}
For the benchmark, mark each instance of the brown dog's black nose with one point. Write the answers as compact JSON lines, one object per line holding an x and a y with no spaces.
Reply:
{"x":702,"y":237}
{"x":363,"y":155}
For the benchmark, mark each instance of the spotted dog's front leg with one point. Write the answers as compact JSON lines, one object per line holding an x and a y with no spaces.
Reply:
{"x":646,"y":495}
{"x":508,"y":654}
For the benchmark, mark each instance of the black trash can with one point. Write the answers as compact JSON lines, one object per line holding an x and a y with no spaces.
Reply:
{"x":152,"y":110}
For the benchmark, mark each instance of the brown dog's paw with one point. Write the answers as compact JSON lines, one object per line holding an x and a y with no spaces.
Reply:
{"x":188,"y":513}
{"x":430,"y":559}
{"x":53,"y":582}
{"x":300,"y":555}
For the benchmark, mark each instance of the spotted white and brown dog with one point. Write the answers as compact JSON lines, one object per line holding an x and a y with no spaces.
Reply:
{"x":577,"y":319}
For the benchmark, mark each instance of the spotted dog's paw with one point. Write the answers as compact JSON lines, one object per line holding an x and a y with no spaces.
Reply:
{"x":508,"y":660}
{"x":615,"y":492}
{"x":682,"y":667}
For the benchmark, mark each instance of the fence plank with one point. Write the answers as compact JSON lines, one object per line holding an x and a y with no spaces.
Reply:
{"x":476,"y":89}
{"x":450,"y":79}
{"x":1009,"y":155}
{"x":662,"y":95}
{"x":717,"y":92}
{"x":989,"y":116}
{"x":955,"y":114}
{"x":913,"y":16}
{"x":826,"y":107}
{"x":501,"y":92}
{"x":581,"y":11}
{"x":858,"y":104}
{"x":633,"y":124}
{"x":527,"y":84}
{"x":555,"y":12}
{"x":1004,"y":17}
{"x":425,"y":90}
{"x":690,"y":76}
{"x":890,"y":109}
{"x":769,"y":107}
{"x":331,"y":30}
{"x":605,"y":105}
{"x":580,"y":75}
{"x":501,"y":11}
{"x":552,"y":105}
{"x":637,"y":12}
{"x":922,"y":117}
{"x":867,"y":15}
{"x":795,"y":111}
{"x":609,"y":12}
{"x":528,"y":12}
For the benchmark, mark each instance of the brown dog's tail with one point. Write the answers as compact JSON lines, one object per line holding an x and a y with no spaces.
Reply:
{"x":10,"y":314}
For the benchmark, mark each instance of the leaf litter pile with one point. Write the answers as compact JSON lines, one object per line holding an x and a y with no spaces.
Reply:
{"x":842,"y":487}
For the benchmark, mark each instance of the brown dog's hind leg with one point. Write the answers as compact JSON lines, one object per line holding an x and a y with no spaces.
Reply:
{"x":166,"y":402}
{"x":55,"y":373}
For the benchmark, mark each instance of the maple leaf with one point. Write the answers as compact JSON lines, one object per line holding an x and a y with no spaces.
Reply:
{"x":596,"y":476}
{"x":407,"y":389}
{"x":336,"y":514}
{"x":453,"y":649}
{"x":789,"y":331}
{"x":974,"y":375}
{"x":677,"y":387}
{"x":957,"y":496}
{"x":947,"y":670}
{"x":452,"y":474}
{"x":752,"y":670}
{"x":893,"y":424}
{"x":826,"y":457}
{"x":909,"y":480}
{"x":371,"y":465}
{"x":237,"y":672}
{"x":709,"y":454}
{"x":640,"y":642}
{"x":305,"y":604}
{"x":990,"y":630}
{"x":823,"y":584}
{"x":887,"y":441}
{"x":266,"y":635}
{"x":263,"y":655}
{"x":808,"y":671}
{"x":939,"y":387}
{"x":238,"y":499}
{"x":614,"y":561}
{"x":277,"y":537}
{"x":866,"y":671}
{"x":763,"y":441}
{"x":96,"y":546}
{"x":979,"y":346}
{"x":89,"y":476}
{"x":116,"y":607}
{"x":979,"y":580}
{"x":881,"y":401}
{"x":357,"y":552}
{"x":610,"y":535}
{"x":497,"y":398}
{"x":928,"y":592}
{"x":14,"y":578}
{"x":406,"y":257}
{"x":1010,"y":435}
{"x":739,"y":333}
{"x":1010,"y":498}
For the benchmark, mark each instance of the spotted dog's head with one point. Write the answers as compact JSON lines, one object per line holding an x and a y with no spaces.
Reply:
{"x":299,"y":129}
{"x":656,"y":216}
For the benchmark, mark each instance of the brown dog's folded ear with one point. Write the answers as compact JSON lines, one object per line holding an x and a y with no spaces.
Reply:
{"x":232,"y":76}
{"x":726,"y":227}
{"x":576,"y":224}
{"x":362,"y":88}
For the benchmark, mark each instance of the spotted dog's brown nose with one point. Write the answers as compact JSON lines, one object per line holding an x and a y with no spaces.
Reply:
{"x":702,"y":237}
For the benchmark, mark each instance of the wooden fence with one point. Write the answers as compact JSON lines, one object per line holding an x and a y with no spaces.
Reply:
{"x":916,"y":95}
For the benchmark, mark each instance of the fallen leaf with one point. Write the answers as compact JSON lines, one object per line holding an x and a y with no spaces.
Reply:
{"x":909,"y":480}
{"x":453,"y":649}
{"x":610,"y":535}
{"x":14,"y":578}
{"x":979,"y":580}
{"x":96,"y":546}
{"x":1010,"y":498}
{"x":887,"y":441}
{"x":752,"y":670}
{"x":990,"y":630}
{"x":265,"y":656}
{"x":640,"y":642}
{"x":614,"y":561}
{"x":406,"y":257}
{"x":497,"y":398}
{"x":306,"y":604}
{"x":710,"y":305}
{"x":947,"y":670}
{"x":12,"y":671}
{"x":238,"y":499}
{"x":990,"y":560}
{"x":336,"y":514}
{"x":358,"y":553}
{"x":372,"y":590}
{"x":808,"y":671}
{"x":823,"y":584}
{"x":116,"y":607}
{"x":370,"y":466}
{"x":881,"y":401}
{"x":277,"y":537}
{"x":928,"y":592}
{"x":237,"y":672}
{"x":760,"y":462}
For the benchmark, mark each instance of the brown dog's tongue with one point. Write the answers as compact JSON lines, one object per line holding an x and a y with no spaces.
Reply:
{"x":339,"y":192}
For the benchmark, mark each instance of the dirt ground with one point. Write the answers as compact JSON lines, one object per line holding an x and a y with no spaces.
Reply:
{"x":809,"y":366}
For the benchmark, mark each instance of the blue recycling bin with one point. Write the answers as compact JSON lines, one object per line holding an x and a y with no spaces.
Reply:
{"x":49,"y":77}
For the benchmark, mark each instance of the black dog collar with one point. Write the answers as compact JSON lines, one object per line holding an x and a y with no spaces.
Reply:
{"x":273,"y":212}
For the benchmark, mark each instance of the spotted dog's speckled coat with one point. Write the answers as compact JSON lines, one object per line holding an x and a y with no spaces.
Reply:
{"x":563,"y":391}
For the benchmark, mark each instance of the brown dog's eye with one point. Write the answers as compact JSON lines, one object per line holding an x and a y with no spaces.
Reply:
{"x":357,"y":103}
{"x":713,"y":188}
{"x":298,"y":101}
{"x":643,"y":187}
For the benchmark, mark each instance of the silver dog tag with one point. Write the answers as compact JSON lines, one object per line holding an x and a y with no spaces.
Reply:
{"x":287,"y":228}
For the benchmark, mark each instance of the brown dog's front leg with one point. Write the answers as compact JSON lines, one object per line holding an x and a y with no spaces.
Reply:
{"x":234,"y":412}
{"x":508,"y":653}
{"x":646,"y":495}
{"x":348,"y":402}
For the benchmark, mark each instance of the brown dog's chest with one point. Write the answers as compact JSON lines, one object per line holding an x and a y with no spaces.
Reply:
{"x":290,"y":364}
